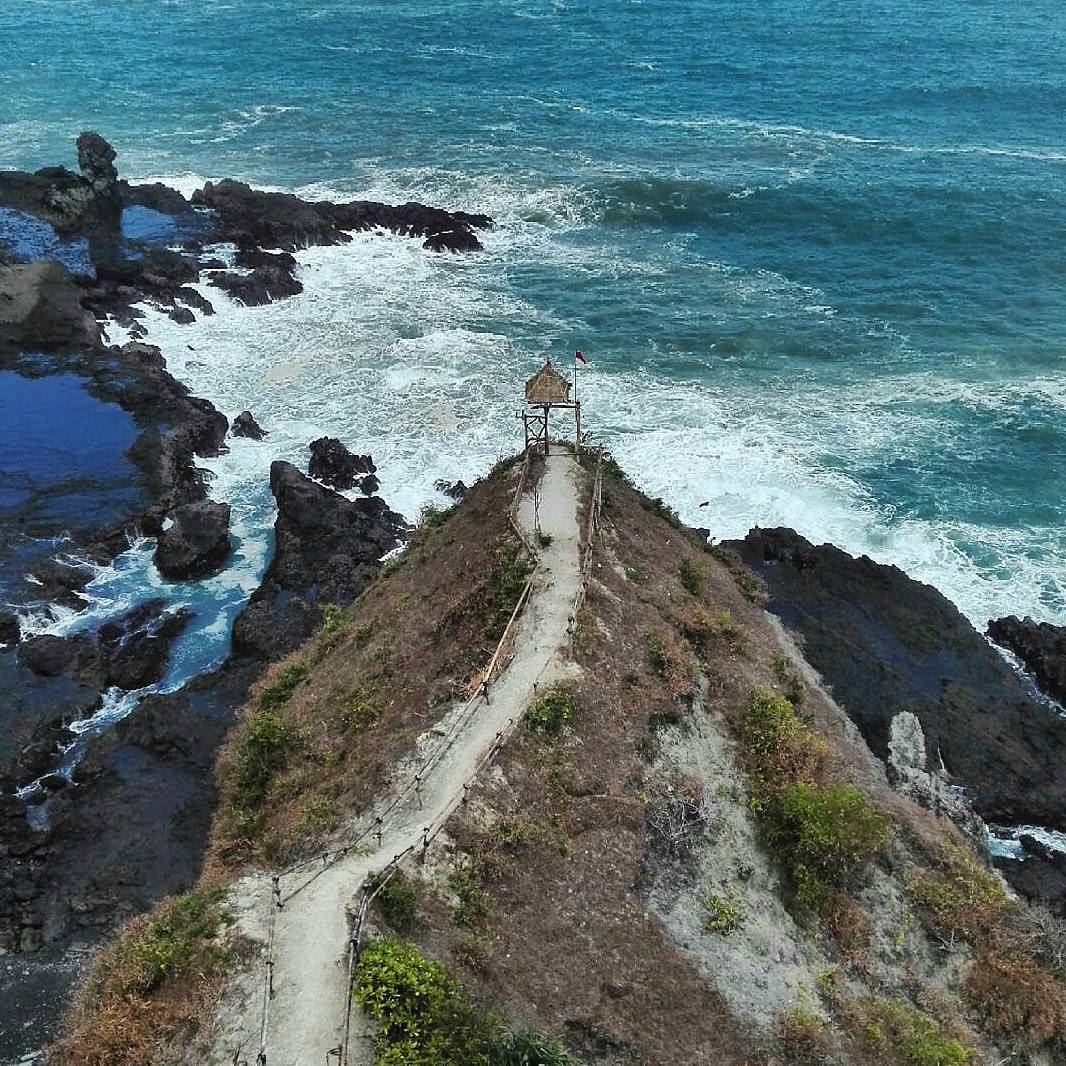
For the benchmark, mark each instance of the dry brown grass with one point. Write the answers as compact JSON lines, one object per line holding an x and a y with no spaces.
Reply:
{"x":379,"y":674}
{"x":152,"y":984}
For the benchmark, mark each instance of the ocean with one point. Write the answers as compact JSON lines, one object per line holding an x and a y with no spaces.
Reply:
{"x":813,"y":252}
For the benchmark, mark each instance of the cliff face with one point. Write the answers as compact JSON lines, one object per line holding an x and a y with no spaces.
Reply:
{"x":685,"y":851}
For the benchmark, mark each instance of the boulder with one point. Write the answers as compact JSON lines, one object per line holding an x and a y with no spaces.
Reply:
{"x":96,"y":161}
{"x":40,"y":308}
{"x":135,"y":648}
{"x":1040,"y":646}
{"x":10,"y":631}
{"x":454,"y":490}
{"x":244,"y":425}
{"x":327,"y":550}
{"x":332,"y":463}
{"x":48,"y":655}
{"x":197,"y":543}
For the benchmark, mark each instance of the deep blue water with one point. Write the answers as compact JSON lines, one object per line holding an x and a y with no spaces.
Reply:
{"x":814,"y":251}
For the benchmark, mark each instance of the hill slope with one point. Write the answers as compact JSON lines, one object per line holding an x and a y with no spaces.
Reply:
{"x":684,"y":853}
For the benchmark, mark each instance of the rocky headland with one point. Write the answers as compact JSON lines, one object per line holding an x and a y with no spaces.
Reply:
{"x":130,"y":823}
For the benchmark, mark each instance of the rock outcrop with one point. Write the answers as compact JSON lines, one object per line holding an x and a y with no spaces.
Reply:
{"x":1040,"y":646}
{"x":40,"y":308}
{"x":130,"y":651}
{"x":328,"y":549}
{"x":886,"y":643}
{"x":244,"y":425}
{"x":333,"y":463}
{"x":10,"y":631}
{"x":197,"y":543}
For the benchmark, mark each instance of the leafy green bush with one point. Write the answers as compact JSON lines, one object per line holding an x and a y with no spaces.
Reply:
{"x":467,"y":881}
{"x":333,"y":618}
{"x":361,"y":708}
{"x":528,"y":1047}
{"x":779,"y":748}
{"x":169,"y":941}
{"x":398,"y":903}
{"x":423,"y":1017}
{"x":823,"y":836}
{"x":552,"y":713}
{"x":903,"y":1035}
{"x":273,"y":696}
{"x":691,"y":574}
{"x":262,"y":748}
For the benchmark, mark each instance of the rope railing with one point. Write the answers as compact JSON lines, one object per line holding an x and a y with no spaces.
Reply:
{"x":375,"y":882}
{"x":376,"y":823}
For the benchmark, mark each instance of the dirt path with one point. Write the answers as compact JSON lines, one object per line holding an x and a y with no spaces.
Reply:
{"x":312,"y":929}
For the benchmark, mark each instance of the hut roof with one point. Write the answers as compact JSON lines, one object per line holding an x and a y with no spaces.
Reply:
{"x":547,"y":385}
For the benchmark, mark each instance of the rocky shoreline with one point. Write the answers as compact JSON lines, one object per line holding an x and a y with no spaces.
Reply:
{"x":133,"y":826}
{"x":888,"y":645}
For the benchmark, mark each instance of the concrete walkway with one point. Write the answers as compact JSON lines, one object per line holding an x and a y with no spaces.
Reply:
{"x":312,"y":929}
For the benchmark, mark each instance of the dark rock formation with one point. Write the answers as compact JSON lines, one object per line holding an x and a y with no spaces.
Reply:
{"x":255,"y":219}
{"x":1041,"y":648}
{"x":96,"y":161}
{"x":332,"y":463}
{"x":1040,"y":875}
{"x":40,"y":308}
{"x":197,"y":543}
{"x":130,"y":651}
{"x":9,"y":628}
{"x":244,"y":425}
{"x":327,"y":550}
{"x":886,"y":643}
{"x":454,"y":490}
{"x":273,"y":276}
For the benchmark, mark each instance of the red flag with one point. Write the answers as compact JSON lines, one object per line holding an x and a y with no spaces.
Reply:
{"x":578,"y":355}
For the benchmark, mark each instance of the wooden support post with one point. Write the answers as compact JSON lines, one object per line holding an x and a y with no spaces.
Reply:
{"x":547,"y":437}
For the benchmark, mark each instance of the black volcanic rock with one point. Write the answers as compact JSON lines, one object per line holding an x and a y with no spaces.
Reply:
{"x":886,"y":643}
{"x":334,"y":464}
{"x":328,"y":549}
{"x":1040,"y":875}
{"x":130,"y":651}
{"x":254,"y":219}
{"x":454,"y":490}
{"x":197,"y":543}
{"x":9,"y":628}
{"x":135,"y":648}
{"x":1040,"y":646}
{"x":96,"y":161}
{"x":244,"y":425}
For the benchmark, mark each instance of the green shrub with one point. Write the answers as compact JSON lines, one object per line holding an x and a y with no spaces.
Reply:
{"x":788,"y":677}
{"x":823,"y":836}
{"x":725,"y":913}
{"x":423,"y":1017}
{"x":398,"y":903}
{"x":361,"y":708}
{"x":528,"y":1047}
{"x":467,"y":881}
{"x":262,"y":748}
{"x":656,"y":654}
{"x":273,"y":696}
{"x":904,"y":1035}
{"x":553,"y":712}
{"x":333,"y":620}
{"x":779,"y":748}
{"x":510,"y":570}
{"x":544,"y":539}
{"x":691,"y":574}
{"x":181,"y":932}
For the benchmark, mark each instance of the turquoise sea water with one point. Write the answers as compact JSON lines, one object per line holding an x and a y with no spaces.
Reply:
{"x":813,"y":250}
